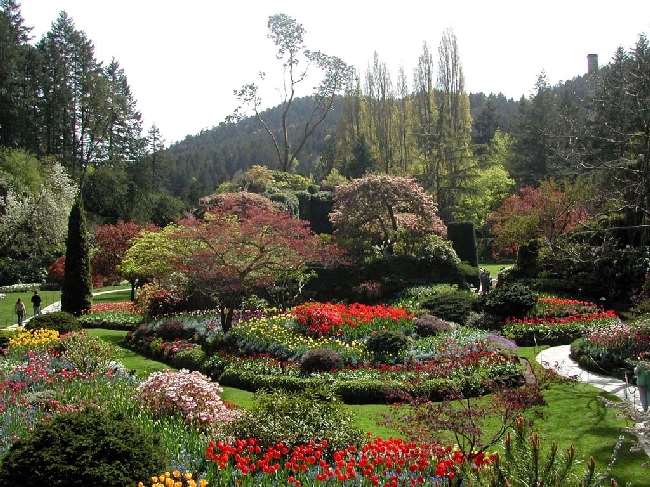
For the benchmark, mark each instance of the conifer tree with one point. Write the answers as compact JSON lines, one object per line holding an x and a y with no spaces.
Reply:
{"x":76,"y":294}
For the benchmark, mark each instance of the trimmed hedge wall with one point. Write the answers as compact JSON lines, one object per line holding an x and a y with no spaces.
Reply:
{"x":463,"y":239}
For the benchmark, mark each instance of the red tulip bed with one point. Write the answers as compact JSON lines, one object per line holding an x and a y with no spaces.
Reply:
{"x":321,"y":319}
{"x":557,"y":321}
{"x":390,"y":462}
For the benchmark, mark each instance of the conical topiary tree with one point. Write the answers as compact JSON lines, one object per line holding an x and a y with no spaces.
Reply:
{"x":76,"y":293}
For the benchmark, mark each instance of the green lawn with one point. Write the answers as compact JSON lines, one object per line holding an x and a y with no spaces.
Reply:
{"x":122,"y":295}
{"x":573,"y":415}
{"x":494,"y":268}
{"x":143,"y":366}
{"x":8,"y":305}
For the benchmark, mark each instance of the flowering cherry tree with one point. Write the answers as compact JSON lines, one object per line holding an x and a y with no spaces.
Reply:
{"x":375,"y":208}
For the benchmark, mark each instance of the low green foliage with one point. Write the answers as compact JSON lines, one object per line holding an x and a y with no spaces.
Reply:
{"x":386,"y":345}
{"x":60,"y":321}
{"x":514,"y":300}
{"x":84,"y":448}
{"x":451,"y":306}
{"x":297,"y":418}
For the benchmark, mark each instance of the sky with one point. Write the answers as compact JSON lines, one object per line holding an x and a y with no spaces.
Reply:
{"x":184,"y":59}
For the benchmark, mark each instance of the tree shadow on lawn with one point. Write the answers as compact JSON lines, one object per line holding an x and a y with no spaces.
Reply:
{"x":575,"y":415}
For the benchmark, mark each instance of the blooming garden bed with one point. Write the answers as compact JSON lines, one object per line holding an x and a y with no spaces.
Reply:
{"x":267,"y":352}
{"x":557,"y":321}
{"x":119,"y":315}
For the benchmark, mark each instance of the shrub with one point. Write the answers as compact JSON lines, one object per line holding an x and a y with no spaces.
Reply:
{"x":190,"y":394}
{"x":386,"y":345}
{"x":81,"y":449}
{"x":152,"y":301}
{"x":463,"y":238}
{"x":451,"y":306}
{"x":320,"y":360}
{"x":512,"y":300}
{"x":297,"y":418}
{"x":87,"y":353}
{"x":174,"y":330}
{"x":60,"y":321}
{"x":427,"y":325}
{"x":193,"y":359}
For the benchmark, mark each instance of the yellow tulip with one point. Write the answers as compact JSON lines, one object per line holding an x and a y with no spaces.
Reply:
{"x":176,"y":474}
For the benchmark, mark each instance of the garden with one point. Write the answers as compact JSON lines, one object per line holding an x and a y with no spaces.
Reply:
{"x":238,"y":363}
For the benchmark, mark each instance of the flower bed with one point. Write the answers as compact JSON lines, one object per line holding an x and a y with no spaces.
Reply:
{"x":120,"y":315}
{"x":190,"y":394}
{"x":322,"y":319}
{"x":367,"y":385}
{"x":556,"y":330}
{"x":377,"y":462}
{"x":612,"y":350}
{"x":552,"y":306}
{"x":266,"y":353}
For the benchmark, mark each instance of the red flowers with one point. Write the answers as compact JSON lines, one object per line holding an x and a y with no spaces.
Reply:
{"x":381,"y":462}
{"x":116,"y":306}
{"x":326,"y":318}
{"x":562,"y":320}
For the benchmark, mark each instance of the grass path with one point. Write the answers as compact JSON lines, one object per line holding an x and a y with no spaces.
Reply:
{"x":573,"y":415}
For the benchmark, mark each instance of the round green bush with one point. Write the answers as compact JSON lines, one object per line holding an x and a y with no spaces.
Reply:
{"x":320,"y":360}
{"x":428,"y":325}
{"x":384,"y":344}
{"x":60,"y":321}
{"x":451,"y":306}
{"x":81,"y":449}
{"x":513,"y":300}
{"x":295,"y":418}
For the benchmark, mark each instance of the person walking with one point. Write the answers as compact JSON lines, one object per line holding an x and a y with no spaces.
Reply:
{"x":36,"y":302}
{"x":20,"y":311}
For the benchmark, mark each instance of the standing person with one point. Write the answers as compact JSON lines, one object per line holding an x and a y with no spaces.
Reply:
{"x":36,"y":302}
{"x":20,"y":311}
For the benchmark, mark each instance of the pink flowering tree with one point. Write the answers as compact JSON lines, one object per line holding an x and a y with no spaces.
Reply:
{"x":373,"y":210}
{"x":237,"y":254}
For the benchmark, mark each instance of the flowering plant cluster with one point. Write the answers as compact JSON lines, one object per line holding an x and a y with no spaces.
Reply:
{"x":175,"y":479}
{"x":121,"y":320}
{"x":39,"y":338}
{"x":552,"y":306}
{"x":277,"y":335}
{"x":191,"y":394}
{"x":126,"y":306}
{"x":556,"y":330}
{"x":378,"y":462}
{"x":321,"y":319}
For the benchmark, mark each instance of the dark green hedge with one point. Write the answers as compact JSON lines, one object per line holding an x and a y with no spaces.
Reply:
{"x":463,"y":239}
{"x":315,"y":208}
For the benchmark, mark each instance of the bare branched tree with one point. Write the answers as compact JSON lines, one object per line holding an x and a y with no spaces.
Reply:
{"x":297,"y":61}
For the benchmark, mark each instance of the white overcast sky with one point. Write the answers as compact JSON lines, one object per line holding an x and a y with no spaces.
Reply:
{"x":184,"y":58}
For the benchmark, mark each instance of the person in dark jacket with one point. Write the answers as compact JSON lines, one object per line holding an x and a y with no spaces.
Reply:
{"x":36,"y":302}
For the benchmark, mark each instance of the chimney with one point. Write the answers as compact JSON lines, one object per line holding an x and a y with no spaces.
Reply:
{"x":592,"y":63}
